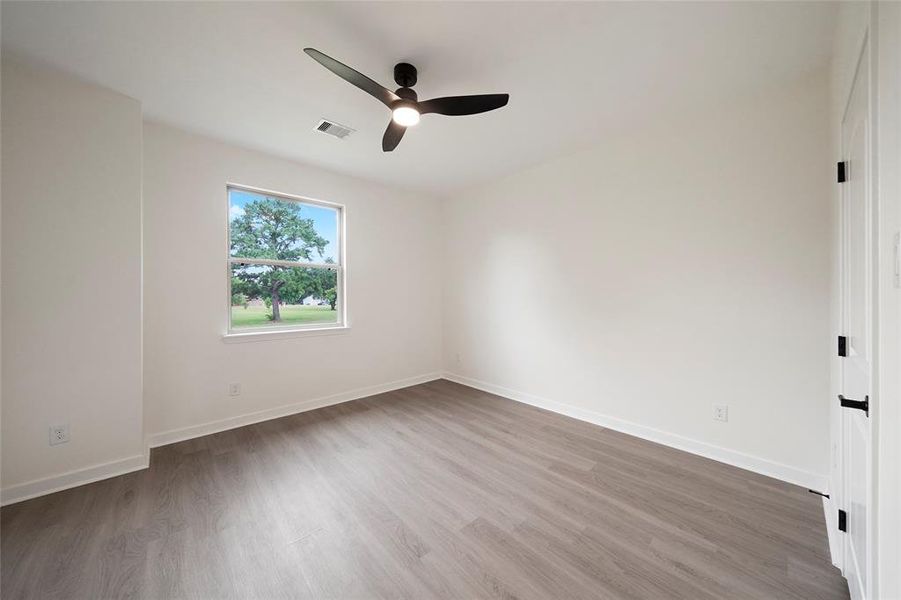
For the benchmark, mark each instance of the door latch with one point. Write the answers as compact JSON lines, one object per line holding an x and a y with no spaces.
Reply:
{"x":863,"y":405}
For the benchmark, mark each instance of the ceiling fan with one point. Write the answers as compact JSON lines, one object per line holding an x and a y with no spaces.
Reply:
{"x":404,"y":104}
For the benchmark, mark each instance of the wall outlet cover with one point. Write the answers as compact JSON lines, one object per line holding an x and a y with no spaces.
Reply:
{"x":234,"y":389}
{"x":59,"y":434}
{"x":720,"y":412}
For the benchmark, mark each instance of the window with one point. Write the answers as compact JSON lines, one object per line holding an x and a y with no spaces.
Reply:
{"x":285,"y":262}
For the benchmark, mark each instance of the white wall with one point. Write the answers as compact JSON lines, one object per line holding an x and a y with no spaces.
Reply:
{"x":71,"y":186}
{"x":642,"y":281}
{"x":393,"y":291}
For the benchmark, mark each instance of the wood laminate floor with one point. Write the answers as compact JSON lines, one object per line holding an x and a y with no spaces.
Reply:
{"x":433,"y":491}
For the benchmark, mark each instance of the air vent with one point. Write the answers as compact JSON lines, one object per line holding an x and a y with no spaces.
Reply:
{"x":334,"y":129}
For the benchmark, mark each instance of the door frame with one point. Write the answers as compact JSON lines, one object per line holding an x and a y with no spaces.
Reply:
{"x":885,"y":22}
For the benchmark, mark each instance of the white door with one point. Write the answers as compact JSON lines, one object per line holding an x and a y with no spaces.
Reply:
{"x":857,"y":323}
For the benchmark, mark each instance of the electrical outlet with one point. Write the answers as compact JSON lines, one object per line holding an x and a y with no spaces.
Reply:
{"x":59,"y":434}
{"x":234,"y":389}
{"x":457,"y":358}
{"x":720,"y":412}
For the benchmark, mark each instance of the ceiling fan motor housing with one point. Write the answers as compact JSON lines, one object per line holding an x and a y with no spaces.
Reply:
{"x":405,"y":75}
{"x":407,"y":94}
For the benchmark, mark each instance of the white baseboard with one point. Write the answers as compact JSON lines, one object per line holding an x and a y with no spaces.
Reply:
{"x":56,"y":483}
{"x":730,"y":457}
{"x":187,"y":433}
{"x":70,"y":479}
{"x":75,"y":478}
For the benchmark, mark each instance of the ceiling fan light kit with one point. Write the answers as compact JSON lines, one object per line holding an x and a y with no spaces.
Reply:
{"x":405,"y":106}
{"x":405,"y":115}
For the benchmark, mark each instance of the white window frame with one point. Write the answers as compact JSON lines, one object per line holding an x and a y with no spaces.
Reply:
{"x":340,"y":266}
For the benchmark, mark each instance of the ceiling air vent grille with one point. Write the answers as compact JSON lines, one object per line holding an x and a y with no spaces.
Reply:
{"x":334,"y":129}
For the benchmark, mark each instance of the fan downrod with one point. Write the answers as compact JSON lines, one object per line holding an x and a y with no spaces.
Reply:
{"x":405,"y":75}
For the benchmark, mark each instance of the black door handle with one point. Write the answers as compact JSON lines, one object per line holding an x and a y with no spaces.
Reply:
{"x":863,"y":405}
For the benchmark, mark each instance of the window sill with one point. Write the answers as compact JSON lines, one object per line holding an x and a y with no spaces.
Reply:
{"x":259,"y":336}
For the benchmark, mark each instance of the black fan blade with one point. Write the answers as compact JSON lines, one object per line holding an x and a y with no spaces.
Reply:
{"x":392,"y":136}
{"x":463,"y":105}
{"x":386,"y":96}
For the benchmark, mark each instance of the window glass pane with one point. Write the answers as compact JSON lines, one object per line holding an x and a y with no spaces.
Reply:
{"x":263,"y":226}
{"x":264,"y":296}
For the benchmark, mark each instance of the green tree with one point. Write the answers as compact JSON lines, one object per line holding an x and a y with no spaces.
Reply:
{"x":331,"y":295}
{"x":275,"y":230}
{"x":239,"y":299}
{"x":325,"y":284}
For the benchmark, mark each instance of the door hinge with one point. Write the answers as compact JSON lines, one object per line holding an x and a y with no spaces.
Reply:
{"x":840,"y":168}
{"x":842,"y":345}
{"x":842,"y":520}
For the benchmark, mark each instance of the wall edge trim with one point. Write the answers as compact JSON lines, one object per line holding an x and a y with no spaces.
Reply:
{"x":78,"y":477}
{"x":734,"y":458}
{"x":186,"y":433}
{"x":70,"y":479}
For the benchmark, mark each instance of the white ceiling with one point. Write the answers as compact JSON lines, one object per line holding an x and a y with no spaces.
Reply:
{"x":235,"y":70}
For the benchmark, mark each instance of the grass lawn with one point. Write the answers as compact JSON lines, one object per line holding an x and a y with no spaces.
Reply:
{"x":292,"y":314}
